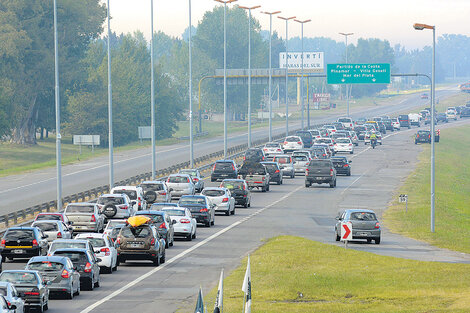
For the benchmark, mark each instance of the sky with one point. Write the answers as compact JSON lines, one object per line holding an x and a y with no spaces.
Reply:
{"x":384,"y":19}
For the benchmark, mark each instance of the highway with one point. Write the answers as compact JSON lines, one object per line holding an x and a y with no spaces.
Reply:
{"x":285,"y":210}
{"x":29,"y":189}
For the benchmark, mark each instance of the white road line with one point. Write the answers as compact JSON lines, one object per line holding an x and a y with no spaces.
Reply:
{"x":185,"y":252}
{"x":346,"y":189}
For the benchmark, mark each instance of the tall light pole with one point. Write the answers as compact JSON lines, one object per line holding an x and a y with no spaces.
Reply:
{"x":58,"y":137}
{"x":152,"y":95}
{"x":249,"y":68}
{"x":110,"y":110}
{"x":225,"y":72}
{"x":347,"y":86}
{"x":191,"y":147}
{"x":302,"y":74}
{"x":287,"y":71}
{"x":433,"y":96}
{"x":270,"y":74}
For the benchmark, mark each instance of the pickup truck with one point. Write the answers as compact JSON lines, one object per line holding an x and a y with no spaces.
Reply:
{"x":85,"y":217}
{"x":320,"y":172}
{"x":255,"y":175}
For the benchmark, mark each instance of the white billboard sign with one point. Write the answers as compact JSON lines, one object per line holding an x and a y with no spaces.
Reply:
{"x":313,"y":62}
{"x":86,"y":140}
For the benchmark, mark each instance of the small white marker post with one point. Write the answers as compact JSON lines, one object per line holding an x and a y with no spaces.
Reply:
{"x":346,"y":232}
{"x":404,"y":198}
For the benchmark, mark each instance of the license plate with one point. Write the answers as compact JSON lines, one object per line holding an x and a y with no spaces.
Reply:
{"x":135,"y":245}
{"x":363,"y":234}
{"x":19,"y":251}
{"x":319,"y":178}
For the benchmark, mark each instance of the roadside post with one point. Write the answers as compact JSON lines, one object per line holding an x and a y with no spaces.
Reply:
{"x":404,"y":199}
{"x":346,"y":232}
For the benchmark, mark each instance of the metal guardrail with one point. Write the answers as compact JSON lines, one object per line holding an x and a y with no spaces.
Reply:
{"x":23,"y":217}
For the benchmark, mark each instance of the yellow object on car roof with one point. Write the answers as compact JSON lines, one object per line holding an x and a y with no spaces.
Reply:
{"x":138,"y":220}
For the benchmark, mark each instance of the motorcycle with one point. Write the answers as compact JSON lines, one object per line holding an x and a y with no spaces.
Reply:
{"x":373,"y":143}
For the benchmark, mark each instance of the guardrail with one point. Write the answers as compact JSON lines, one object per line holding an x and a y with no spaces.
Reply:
{"x":24,"y":216}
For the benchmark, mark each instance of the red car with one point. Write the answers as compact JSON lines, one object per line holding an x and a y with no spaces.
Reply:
{"x":424,"y":96}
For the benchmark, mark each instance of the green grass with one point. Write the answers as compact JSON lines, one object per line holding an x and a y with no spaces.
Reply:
{"x":452,"y":212}
{"x":334,"y":279}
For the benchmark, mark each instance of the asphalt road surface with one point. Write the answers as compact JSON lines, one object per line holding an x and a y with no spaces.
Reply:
{"x":287,"y":209}
{"x":29,"y":189}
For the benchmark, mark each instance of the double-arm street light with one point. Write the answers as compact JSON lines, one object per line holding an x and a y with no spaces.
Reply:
{"x":224,"y":2}
{"x":270,"y":72}
{"x":433,"y":95}
{"x":57,"y":115}
{"x":287,"y":71}
{"x":110,"y":109}
{"x":302,"y":75}
{"x":190,"y":86}
{"x":346,"y":43}
{"x":249,"y":68}
{"x":152,"y":95}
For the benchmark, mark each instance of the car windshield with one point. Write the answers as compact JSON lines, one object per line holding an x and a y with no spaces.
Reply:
{"x":223,"y":165}
{"x":158,"y":206}
{"x":175,"y":212}
{"x":329,"y":126}
{"x":112,"y":224}
{"x":136,"y":232}
{"x":45,"y":266}
{"x":189,"y":200}
{"x":270,"y":166}
{"x":189,"y":172}
{"x":283,"y":160}
{"x":19,"y":234}
{"x":344,"y":120}
{"x":95,"y":242}
{"x":151,"y":187}
{"x":156,"y":218}
{"x":50,"y":217}
{"x":132,"y":194}
{"x":363,"y":216}
{"x":338,"y":159}
{"x":19,"y":277}
{"x":237,"y":185}
{"x":314,"y":132}
{"x":80,"y":209}
{"x":77,"y":257}
{"x":213,"y":193}
{"x":323,"y":140}
{"x":110,"y":200}
{"x":252,"y":153}
{"x":178,"y":179}
{"x":343,"y":140}
{"x":321,"y":163}
{"x":423,"y":132}
{"x":65,"y":245}
{"x":359,"y":128}
{"x":271,"y":145}
{"x":292,"y":139}
{"x":3,"y":291}
{"x":300,"y":158}
{"x":46,"y":226}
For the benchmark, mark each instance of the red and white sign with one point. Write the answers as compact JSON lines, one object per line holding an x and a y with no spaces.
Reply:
{"x":346,"y":231}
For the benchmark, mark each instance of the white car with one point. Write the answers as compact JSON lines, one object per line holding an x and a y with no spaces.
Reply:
{"x":306,"y":153}
{"x":135,"y":194}
{"x":451,"y":114}
{"x":330,"y":128}
{"x":300,"y":163}
{"x":316,"y":133}
{"x":344,"y":145}
{"x":354,"y":138}
{"x":272,"y":148}
{"x":222,"y":198}
{"x":292,"y":143}
{"x":415,"y":119}
{"x":112,"y":224}
{"x":104,"y":250}
{"x":185,"y":224}
{"x":12,"y":296}
{"x":53,"y":229}
{"x":180,"y":185}
{"x":396,"y":123}
{"x":115,"y":205}
{"x":347,"y":122}
{"x":325,"y":140}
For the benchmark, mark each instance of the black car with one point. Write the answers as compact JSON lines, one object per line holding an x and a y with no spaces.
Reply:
{"x":319,"y":153}
{"x":342,"y":165}
{"x":360,"y":131}
{"x":404,"y":121}
{"x":202,"y":209}
{"x":274,"y":171}
{"x":239,"y":190}
{"x":163,"y":223}
{"x":465,"y":112}
{"x":23,"y":242}
{"x":382,"y":127}
{"x":423,"y":136}
{"x":388,"y":124}
{"x":254,"y":154}
{"x":306,"y":136}
{"x":442,"y":117}
{"x":224,"y":169}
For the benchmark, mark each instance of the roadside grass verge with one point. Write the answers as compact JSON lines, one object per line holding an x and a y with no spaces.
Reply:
{"x":297,"y":275}
{"x":452,"y":197}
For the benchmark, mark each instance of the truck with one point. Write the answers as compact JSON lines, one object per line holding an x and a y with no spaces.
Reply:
{"x":320,"y":172}
{"x":255,"y":175}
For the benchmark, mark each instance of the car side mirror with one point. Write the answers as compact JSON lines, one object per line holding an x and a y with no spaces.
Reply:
{"x":133,"y":202}
{"x":48,"y":283}
{"x":45,"y":236}
{"x":98,"y":260}
{"x":173,"y":222}
{"x":171,"y":189}
{"x":75,"y":268}
{"x":12,"y":307}
{"x":350,"y":161}
{"x":70,"y":223}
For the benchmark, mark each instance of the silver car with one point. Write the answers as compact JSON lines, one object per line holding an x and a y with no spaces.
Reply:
{"x":180,"y":185}
{"x":286,"y":164}
{"x":196,"y":177}
{"x":156,"y":191}
{"x":222,"y":198}
{"x":85,"y":217}
{"x":9,"y":292}
{"x":53,"y":229}
{"x":365,"y":224}
{"x":185,"y":225}
{"x":300,"y":163}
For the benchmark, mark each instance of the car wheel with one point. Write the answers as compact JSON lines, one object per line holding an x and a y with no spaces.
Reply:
{"x":377,"y":241}
{"x":337,"y":236}
{"x":109,"y":270}
{"x":369,"y":240}
{"x":69,"y":295}
{"x":279,"y":182}
{"x":227,"y":213}
{"x":189,"y":237}
{"x":332,"y":185}
{"x":156,"y":261}
{"x":351,"y":152}
{"x":163,"y":258}
{"x":77,"y":293}
{"x":97,"y":284}
{"x":263,"y":189}
{"x":212,"y":180}
{"x":245,"y":205}
{"x":233,"y":212}
{"x":91,"y":285}
{"x":349,"y":173}
{"x":249,"y":203}
{"x":167,"y":243}
{"x":292,"y":175}
{"x":213,"y":222}
{"x":307,"y":184}
{"x":208,"y":224}
{"x":267,"y":187}
{"x":194,"y":236}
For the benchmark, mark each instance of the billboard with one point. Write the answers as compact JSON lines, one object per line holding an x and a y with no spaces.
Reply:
{"x":313,"y":62}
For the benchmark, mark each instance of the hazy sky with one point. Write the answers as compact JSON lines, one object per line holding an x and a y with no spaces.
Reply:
{"x":384,"y":19}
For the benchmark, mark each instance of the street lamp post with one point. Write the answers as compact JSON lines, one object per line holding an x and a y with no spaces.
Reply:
{"x":347,"y":86}
{"x":433,"y":96}
{"x":270,"y":73}
{"x":287,"y":71}
{"x":57,"y":114}
{"x":110,"y":109}
{"x":302,"y":75}
{"x":152,"y":94}
{"x":249,"y":69}
{"x":224,"y":2}
{"x":191,"y":147}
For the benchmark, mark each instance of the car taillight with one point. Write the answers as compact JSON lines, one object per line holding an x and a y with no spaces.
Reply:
{"x":346,"y":165}
{"x":187,"y":180}
{"x":152,"y":242}
{"x":244,"y":158}
{"x":285,"y":142}
{"x":3,"y":242}
{"x":118,"y":241}
{"x":324,"y":154}
{"x":106,"y":251}
{"x":350,"y":144}
{"x":306,"y":171}
{"x":87,"y":267}
{"x":65,"y":274}
{"x":331,"y":172}
{"x":35,"y":242}
{"x":163,"y":193}
{"x":168,"y":180}
{"x":377,"y":225}
{"x":162,"y":226}
{"x":93,"y":218}
{"x":299,"y":142}
{"x":265,"y":149}
{"x":59,"y":235}
{"x":195,"y":179}
{"x":225,"y":200}
{"x":276,"y":171}
{"x":244,"y":187}
{"x":125,"y":207}
{"x":31,"y":293}
{"x":233,"y":167}
{"x":417,"y":136}
{"x":204,"y":210}
{"x":185,"y":221}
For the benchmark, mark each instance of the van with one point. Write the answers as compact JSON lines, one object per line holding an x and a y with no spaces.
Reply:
{"x":404,"y":121}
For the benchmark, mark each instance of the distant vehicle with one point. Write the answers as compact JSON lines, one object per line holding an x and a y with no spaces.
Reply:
{"x":320,"y":172}
{"x":347,"y":122}
{"x":239,"y":190}
{"x":306,"y":136}
{"x":23,"y":242}
{"x":185,"y":225}
{"x":271,"y":148}
{"x":254,"y":155}
{"x":292,"y":143}
{"x":115,"y":205}
{"x":275,"y":175}
{"x":135,"y":194}
{"x":163,"y":224}
{"x":53,"y":216}
{"x":424,"y":96}
{"x":342,"y":165}
{"x":343,"y":145}
{"x":300,"y":163}
{"x":85,"y":217}
{"x":286,"y":164}
{"x":465,"y":112}
{"x":365,"y":224}
{"x":338,"y":125}
{"x":12,"y":297}
{"x":415,"y":119}
{"x":156,"y":191}
{"x":360,"y":131}
{"x":222,"y":198}
{"x":404,"y":120}
{"x":396,"y":124}
{"x":224,"y":169}
{"x":104,"y":249}
{"x":180,"y":185}
{"x":255,"y":175}
{"x":202,"y":209}
{"x":388,"y":124}
{"x":316,"y":133}
{"x":72,"y":244}
{"x":442,"y":117}
{"x":330,"y":128}
{"x":196,"y":177}
{"x":423,"y":136}
{"x":451,"y":114}
{"x":53,"y":229}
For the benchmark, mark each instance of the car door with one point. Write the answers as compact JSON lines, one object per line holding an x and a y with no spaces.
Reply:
{"x":96,"y":268}
{"x":17,"y":300}
{"x":231,"y":199}
{"x":171,"y":229}
{"x":43,"y":243}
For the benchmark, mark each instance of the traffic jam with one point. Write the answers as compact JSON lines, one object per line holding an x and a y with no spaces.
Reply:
{"x":64,"y":253}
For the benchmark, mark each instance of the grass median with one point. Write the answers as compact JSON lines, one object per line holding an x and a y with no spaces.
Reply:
{"x":292,"y":274}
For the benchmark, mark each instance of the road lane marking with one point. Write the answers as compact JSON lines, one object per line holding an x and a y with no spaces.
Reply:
{"x":185,"y":252}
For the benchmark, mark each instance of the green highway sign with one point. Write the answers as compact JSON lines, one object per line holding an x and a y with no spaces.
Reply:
{"x":363,"y":73}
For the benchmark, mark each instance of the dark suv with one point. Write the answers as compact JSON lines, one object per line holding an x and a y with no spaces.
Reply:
{"x":23,"y":242}
{"x":306,"y":136}
{"x":423,"y":136}
{"x":254,"y":154}
{"x":224,"y":169}
{"x":404,"y":121}
{"x":320,"y":172}
{"x":239,"y":190}
{"x":274,"y":171}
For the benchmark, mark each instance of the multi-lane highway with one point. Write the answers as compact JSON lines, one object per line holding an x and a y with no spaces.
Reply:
{"x":29,"y":189}
{"x":286,"y":209}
